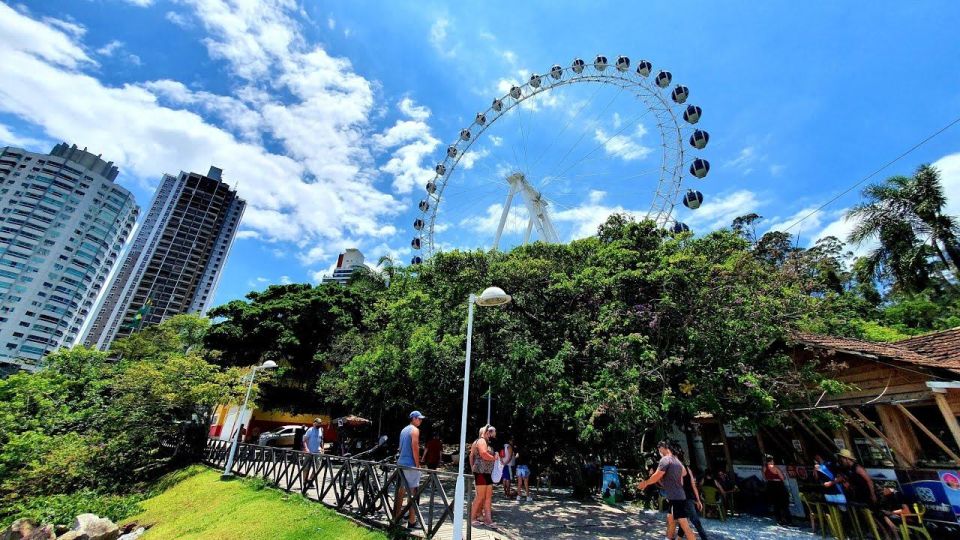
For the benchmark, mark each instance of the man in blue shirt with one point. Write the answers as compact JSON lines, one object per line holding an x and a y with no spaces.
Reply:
{"x":312,"y":444}
{"x":409,"y":457}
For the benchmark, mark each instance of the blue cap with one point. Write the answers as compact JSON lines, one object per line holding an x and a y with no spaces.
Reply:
{"x":417,"y":414}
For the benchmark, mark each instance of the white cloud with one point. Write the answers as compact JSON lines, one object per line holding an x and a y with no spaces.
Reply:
{"x":510,"y":57}
{"x":9,"y":138}
{"x":776,"y":170}
{"x":587,"y":217}
{"x":139,"y":3}
{"x":110,"y":48}
{"x":285,"y":280}
{"x":316,"y":189}
{"x":841,"y":228}
{"x":75,"y":30}
{"x":178,"y":19}
{"x":243,"y":120}
{"x":410,"y":108}
{"x":36,"y":40}
{"x":468,"y":160}
{"x":497,"y":141}
{"x":716,"y":213}
{"x":413,"y":142}
{"x":744,"y":160}
{"x":331,"y":23}
{"x":486,"y":224}
{"x":617,"y":121}
{"x":438,"y":38}
{"x":625,"y":147}
{"x":811,"y":220}
{"x":949,"y":167}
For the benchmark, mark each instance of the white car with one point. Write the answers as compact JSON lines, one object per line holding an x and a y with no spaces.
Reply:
{"x":282,"y":437}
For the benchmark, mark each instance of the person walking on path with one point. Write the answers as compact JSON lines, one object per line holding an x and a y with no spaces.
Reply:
{"x":507,"y":456}
{"x":433,"y":453}
{"x":694,"y":504}
{"x":777,"y":491}
{"x":311,"y":443}
{"x":670,"y":475}
{"x":481,"y":462}
{"x":298,"y":438}
{"x":523,"y":474}
{"x":409,"y":457}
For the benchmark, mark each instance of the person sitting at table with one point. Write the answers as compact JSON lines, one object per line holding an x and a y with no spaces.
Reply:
{"x":894,"y":508}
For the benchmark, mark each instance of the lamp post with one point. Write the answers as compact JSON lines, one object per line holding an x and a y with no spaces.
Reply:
{"x":491,"y":296}
{"x":228,"y":470}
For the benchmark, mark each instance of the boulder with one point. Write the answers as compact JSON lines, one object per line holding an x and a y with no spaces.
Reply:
{"x":27,"y":529}
{"x":73,"y":535}
{"x":133,"y":535}
{"x":95,"y":527}
{"x":21,"y":528}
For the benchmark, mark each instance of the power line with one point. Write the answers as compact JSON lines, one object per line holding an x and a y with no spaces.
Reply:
{"x":874,"y":173}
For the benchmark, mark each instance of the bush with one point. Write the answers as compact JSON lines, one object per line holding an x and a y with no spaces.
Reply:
{"x":62,"y":509}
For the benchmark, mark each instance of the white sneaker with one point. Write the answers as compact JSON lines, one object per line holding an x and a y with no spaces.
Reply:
{"x":529,"y":498}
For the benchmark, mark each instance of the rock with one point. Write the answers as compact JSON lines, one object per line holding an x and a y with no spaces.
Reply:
{"x":96,"y":528}
{"x":21,"y":528}
{"x":73,"y":535}
{"x":42,"y":533}
{"x":134,"y":535}
{"x":27,"y":529}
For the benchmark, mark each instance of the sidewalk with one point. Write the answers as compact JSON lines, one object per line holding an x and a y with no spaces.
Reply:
{"x":559,"y":517}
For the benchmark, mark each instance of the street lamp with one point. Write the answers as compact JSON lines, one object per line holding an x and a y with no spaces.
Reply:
{"x":228,"y":470}
{"x":491,"y":296}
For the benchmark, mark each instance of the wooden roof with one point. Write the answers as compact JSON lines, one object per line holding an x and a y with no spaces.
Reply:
{"x":942,"y":348}
{"x":938,"y":350}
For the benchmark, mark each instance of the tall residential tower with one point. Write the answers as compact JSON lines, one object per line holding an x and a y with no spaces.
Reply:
{"x":63,"y":222}
{"x":175,"y":261}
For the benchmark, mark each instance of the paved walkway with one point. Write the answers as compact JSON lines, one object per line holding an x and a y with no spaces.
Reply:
{"x":559,"y":517}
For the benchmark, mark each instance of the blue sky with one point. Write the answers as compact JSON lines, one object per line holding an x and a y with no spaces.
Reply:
{"x":331,"y":116}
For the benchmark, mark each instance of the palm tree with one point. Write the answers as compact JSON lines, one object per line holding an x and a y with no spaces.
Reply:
{"x":929,"y":202}
{"x":904,"y":214}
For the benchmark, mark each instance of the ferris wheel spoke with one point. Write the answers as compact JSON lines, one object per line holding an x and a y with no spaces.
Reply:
{"x":567,"y":125}
{"x":584,"y":134}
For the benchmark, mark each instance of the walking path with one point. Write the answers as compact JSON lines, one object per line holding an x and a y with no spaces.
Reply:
{"x":558,"y":517}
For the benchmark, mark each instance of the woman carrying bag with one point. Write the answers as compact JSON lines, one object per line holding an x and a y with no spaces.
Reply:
{"x":482,"y":461}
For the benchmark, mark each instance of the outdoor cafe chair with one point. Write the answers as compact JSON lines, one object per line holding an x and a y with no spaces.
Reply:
{"x":712,"y":499}
{"x":820,"y":516}
{"x":908,"y":531}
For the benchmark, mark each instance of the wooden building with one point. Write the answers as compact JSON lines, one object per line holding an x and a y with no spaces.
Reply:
{"x":898,"y":414}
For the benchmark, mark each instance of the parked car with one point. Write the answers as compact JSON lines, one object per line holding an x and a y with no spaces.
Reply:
{"x":282,"y":437}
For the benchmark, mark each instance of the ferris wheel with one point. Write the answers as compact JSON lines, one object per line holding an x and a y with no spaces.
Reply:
{"x":652,"y":94}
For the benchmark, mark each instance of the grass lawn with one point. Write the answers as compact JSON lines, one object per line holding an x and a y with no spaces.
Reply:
{"x":204,"y":508}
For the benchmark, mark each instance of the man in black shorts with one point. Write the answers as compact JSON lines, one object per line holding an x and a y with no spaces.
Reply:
{"x":670,"y":475}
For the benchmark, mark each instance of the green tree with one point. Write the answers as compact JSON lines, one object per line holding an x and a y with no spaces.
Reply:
{"x":904,"y":214}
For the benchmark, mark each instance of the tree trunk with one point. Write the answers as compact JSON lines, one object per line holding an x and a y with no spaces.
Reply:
{"x":953,"y":250}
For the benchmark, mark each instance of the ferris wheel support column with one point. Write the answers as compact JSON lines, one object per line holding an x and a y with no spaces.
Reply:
{"x":503,"y":216}
{"x":526,"y":236}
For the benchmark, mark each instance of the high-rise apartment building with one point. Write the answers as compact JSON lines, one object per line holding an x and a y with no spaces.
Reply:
{"x":175,"y":261}
{"x":347,"y":262}
{"x":63,"y":223}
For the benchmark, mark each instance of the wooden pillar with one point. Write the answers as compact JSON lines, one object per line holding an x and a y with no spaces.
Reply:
{"x":899,"y":431}
{"x":947,"y":412}
{"x":946,"y":449}
{"x":726,"y":446}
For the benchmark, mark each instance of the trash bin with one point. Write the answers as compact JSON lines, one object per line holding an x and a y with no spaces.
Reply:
{"x":610,"y":489}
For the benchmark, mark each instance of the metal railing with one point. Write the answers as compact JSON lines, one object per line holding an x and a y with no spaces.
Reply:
{"x":365,"y":490}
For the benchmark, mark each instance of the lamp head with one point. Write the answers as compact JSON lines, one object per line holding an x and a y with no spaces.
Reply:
{"x":493,"y":296}
{"x":269,"y":364}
